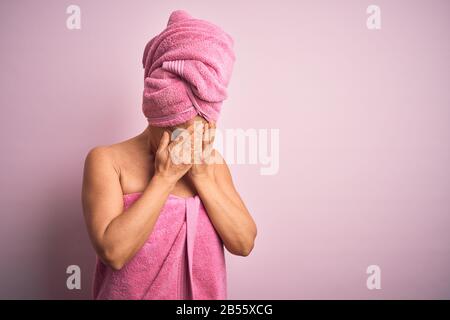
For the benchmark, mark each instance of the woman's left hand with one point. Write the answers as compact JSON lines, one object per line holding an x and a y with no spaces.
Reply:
{"x":204,"y":155}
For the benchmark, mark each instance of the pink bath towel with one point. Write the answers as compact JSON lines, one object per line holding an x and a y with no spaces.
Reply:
{"x":183,"y":258}
{"x":188,"y":67}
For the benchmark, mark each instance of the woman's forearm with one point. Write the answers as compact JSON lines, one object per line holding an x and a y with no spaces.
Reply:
{"x":233,"y":223}
{"x":127,"y":233}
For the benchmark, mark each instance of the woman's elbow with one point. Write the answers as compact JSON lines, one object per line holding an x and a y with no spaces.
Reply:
{"x":245,"y":251}
{"x":248,"y":245}
{"x":113,"y":259}
{"x":116,"y":265}
{"x":245,"y":248}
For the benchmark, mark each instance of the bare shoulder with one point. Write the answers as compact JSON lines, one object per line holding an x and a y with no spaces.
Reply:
{"x":107,"y":155}
{"x":100,"y":175}
{"x":99,"y":154}
{"x":101,"y":158}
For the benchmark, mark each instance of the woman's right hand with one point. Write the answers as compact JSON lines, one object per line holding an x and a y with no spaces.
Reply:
{"x":168,"y":163}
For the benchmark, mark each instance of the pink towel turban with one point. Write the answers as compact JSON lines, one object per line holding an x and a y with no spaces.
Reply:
{"x":187,"y":70}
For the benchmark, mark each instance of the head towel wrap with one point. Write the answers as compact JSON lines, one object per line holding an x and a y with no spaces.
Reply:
{"x":187,"y":70}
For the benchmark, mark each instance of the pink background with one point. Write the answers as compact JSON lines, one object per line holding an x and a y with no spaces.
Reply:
{"x":364,"y":139}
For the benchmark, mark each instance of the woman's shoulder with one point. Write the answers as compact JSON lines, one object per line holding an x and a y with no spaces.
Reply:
{"x":113,"y":156}
{"x":107,"y":155}
{"x":99,"y":153}
{"x":99,"y":158}
{"x":109,"y":152}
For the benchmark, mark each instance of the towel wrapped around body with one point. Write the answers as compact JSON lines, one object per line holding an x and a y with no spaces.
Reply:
{"x":183,"y":259}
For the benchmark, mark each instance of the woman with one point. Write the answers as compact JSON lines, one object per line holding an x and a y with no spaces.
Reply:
{"x":158,"y":222}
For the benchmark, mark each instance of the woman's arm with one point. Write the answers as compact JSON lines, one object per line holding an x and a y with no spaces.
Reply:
{"x":116,"y":235}
{"x":227,"y":211}
{"x":225,"y":207}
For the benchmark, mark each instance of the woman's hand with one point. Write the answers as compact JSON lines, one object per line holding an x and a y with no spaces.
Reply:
{"x":203,"y":155}
{"x":168,"y":163}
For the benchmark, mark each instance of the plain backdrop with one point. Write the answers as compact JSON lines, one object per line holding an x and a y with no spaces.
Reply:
{"x":363,"y":117}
